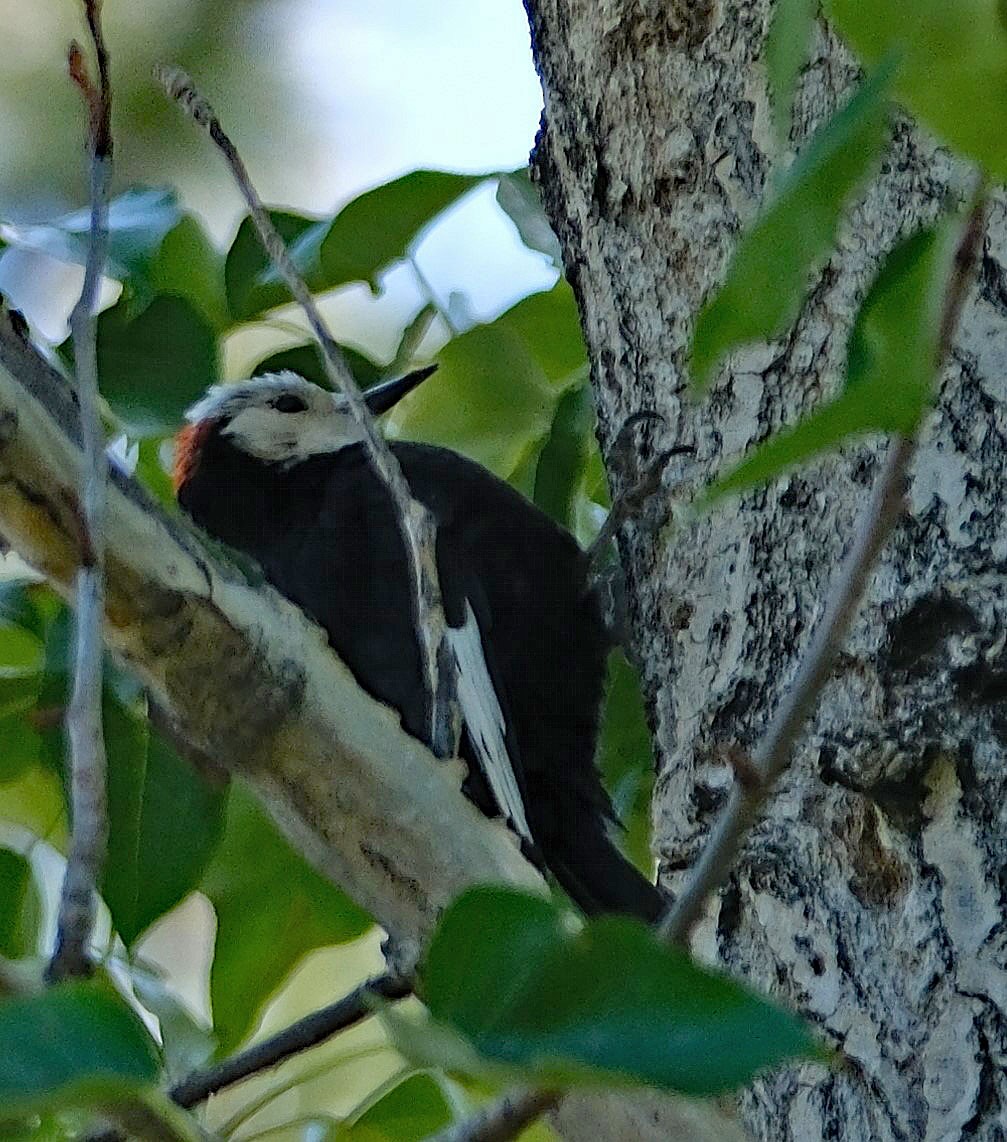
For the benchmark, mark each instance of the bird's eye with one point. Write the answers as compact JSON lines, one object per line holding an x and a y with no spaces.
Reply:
{"x":289,"y":403}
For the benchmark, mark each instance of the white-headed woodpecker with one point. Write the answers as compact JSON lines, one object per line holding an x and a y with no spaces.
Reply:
{"x":275,"y":468}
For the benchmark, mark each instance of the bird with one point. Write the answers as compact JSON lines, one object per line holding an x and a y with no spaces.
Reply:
{"x":276,"y":468}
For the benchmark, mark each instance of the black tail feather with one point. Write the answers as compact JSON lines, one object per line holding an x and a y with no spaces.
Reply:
{"x":599,"y":879}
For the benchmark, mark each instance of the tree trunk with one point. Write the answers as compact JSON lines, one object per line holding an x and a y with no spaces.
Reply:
{"x":871,"y":895}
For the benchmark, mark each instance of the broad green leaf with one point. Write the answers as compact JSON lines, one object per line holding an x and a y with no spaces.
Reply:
{"x":34,"y":800}
{"x":126,"y":760}
{"x":606,"y":1005}
{"x":306,"y":361}
{"x":415,"y":1108}
{"x":20,"y":650}
{"x":549,"y":325}
{"x":953,"y":72}
{"x":626,"y":759}
{"x":520,"y":200}
{"x":26,"y":604}
{"x":786,"y":54}
{"x":770,"y":271}
{"x":472,"y":984}
{"x":151,"y":472}
{"x":138,"y":221}
{"x":378,"y":228}
{"x":364,"y":238}
{"x":272,"y":908}
{"x":891,"y":362}
{"x":165,"y":821}
{"x":495,"y":394}
{"x":19,"y":691}
{"x":559,"y":475}
{"x":20,"y":907}
{"x":67,"y":1035}
{"x":489,"y":400}
{"x":153,"y":366}
{"x":189,"y":265}
{"x":20,"y":749}
{"x":251,"y":283}
{"x":181,"y":820}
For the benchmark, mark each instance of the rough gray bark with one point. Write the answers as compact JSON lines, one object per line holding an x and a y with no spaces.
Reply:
{"x":872,"y":895}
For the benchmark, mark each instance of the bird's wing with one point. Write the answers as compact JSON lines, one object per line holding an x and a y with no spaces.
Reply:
{"x":484,"y":720}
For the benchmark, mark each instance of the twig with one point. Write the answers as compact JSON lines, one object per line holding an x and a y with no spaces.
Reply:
{"x":774,"y":753}
{"x":311,"y":1031}
{"x":308,"y":1032}
{"x":502,"y":1120}
{"x":84,"y":726}
{"x":415,"y":522}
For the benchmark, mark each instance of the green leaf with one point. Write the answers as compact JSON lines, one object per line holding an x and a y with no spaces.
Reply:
{"x":306,"y":361}
{"x":379,"y":227}
{"x":25,"y":604}
{"x":520,"y":200}
{"x":150,"y":471}
{"x":559,"y":476}
{"x":20,"y":649}
{"x":153,"y":366}
{"x":953,"y":71}
{"x":549,"y":325}
{"x":20,"y":907}
{"x":367,"y":235}
{"x":495,"y":394}
{"x":786,"y":54}
{"x":189,"y":265}
{"x":472,"y":984}
{"x":607,"y":1005}
{"x":181,"y":822}
{"x":415,"y":1108}
{"x":165,"y":821}
{"x":251,"y":283}
{"x":891,"y":363}
{"x":68,"y":1034}
{"x":20,"y":745}
{"x":626,"y":759}
{"x":138,"y":221}
{"x":770,"y":271}
{"x":272,"y":908}
{"x":19,"y":691}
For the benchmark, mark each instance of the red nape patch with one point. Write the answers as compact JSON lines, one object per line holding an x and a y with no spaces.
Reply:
{"x":188,"y":445}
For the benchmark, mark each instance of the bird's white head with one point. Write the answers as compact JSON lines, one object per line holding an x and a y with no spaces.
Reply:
{"x":283,"y":419}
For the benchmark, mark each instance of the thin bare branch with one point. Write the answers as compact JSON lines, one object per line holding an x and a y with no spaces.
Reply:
{"x":415,"y":522}
{"x":502,"y":1120}
{"x":879,"y":519}
{"x":84,"y":725}
{"x":308,"y":1032}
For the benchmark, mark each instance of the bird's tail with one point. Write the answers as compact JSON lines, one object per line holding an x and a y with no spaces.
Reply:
{"x":599,"y":879}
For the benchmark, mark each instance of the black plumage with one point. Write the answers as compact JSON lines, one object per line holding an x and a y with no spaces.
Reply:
{"x":324,"y":532}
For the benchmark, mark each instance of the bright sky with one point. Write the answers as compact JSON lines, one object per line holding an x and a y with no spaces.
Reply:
{"x":384,"y":86}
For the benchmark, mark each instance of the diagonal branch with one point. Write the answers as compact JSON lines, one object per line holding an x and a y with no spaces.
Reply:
{"x":308,"y":1032}
{"x":415,"y":522}
{"x":503,"y":1119}
{"x":84,"y":722}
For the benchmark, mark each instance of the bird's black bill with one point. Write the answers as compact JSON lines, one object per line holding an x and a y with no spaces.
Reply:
{"x":380,"y":398}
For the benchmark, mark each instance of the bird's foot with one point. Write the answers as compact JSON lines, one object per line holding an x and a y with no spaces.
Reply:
{"x":639,"y":479}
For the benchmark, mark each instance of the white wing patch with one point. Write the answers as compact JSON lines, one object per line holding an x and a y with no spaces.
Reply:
{"x":484,"y":719}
